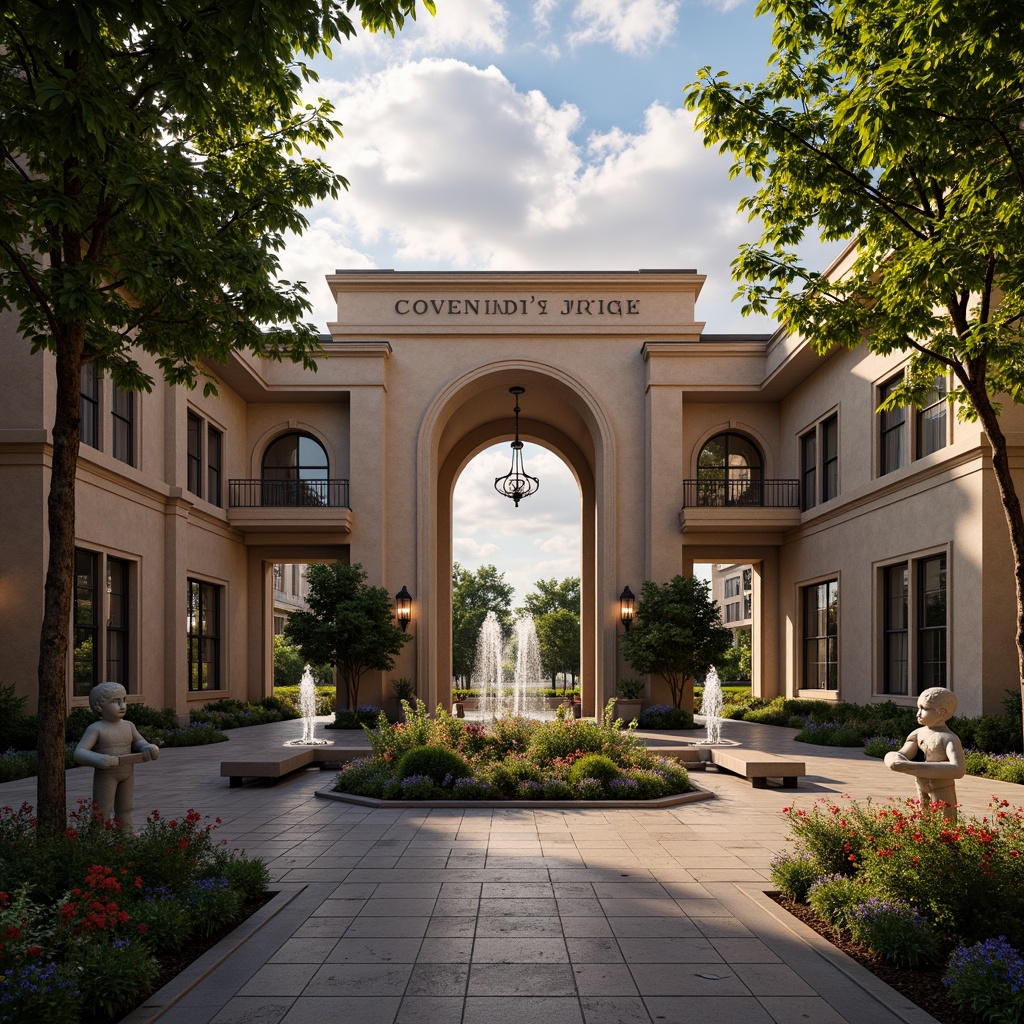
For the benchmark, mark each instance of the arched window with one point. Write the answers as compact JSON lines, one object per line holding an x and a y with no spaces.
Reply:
{"x":730,"y":471}
{"x":295,"y":471}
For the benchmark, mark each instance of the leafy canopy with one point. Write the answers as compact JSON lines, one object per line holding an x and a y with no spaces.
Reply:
{"x":897,"y":123}
{"x":152,"y":157}
{"x":474,"y":594}
{"x":349,"y":624}
{"x":677,"y":634}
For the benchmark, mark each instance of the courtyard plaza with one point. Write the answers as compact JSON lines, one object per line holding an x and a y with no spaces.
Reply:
{"x":515,"y":916}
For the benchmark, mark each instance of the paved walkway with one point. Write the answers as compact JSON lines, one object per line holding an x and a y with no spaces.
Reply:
{"x":516,"y":916}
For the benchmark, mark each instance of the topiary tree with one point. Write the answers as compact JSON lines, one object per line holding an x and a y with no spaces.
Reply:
{"x":677,"y":634}
{"x":349,"y":625}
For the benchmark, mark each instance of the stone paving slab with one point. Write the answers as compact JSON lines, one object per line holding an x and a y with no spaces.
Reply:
{"x":589,"y":916}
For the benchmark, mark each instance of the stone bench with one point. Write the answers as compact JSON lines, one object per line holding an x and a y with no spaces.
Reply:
{"x":758,"y":766}
{"x":276,"y":764}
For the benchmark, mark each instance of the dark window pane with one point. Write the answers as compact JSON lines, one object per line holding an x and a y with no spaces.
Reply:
{"x":213,"y":465}
{"x":117,"y":621}
{"x":86,"y":652}
{"x":203,"y":640}
{"x":123,"y":417}
{"x":931,"y":618}
{"x":893,"y":445}
{"x":896,"y":639}
{"x":830,"y":458}
{"x":89,"y":406}
{"x":931,"y":420}
{"x":821,"y":635}
{"x":808,"y":470}
{"x":195,"y":454}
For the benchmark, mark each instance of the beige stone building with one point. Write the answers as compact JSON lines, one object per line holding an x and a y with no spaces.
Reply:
{"x":879,"y":556}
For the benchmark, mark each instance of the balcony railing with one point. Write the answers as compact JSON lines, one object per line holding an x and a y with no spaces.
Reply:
{"x":288,"y":494}
{"x":741,"y":494}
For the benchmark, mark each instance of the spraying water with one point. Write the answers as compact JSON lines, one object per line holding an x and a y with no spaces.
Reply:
{"x":489,"y":670}
{"x":307,"y":708}
{"x":711,"y":707}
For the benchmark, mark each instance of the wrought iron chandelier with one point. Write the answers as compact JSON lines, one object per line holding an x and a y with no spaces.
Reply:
{"x":516,"y":483}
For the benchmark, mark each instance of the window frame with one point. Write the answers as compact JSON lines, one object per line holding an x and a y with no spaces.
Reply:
{"x":918,"y":676}
{"x":913,"y":423}
{"x":122,"y":441}
{"x":214,"y":465}
{"x":830,"y":637}
{"x":89,"y":407}
{"x":819,"y":465}
{"x":199,"y":639}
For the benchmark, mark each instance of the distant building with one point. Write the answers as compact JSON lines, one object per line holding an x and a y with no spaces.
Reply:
{"x":877,"y":549}
{"x":290,"y":592}
{"x":732,"y":589}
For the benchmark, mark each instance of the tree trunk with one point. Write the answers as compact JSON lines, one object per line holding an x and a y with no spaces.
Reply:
{"x":51,"y":788}
{"x":1011,"y":510}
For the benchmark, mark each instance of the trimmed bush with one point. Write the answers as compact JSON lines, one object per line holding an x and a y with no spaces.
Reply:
{"x":664,"y":716}
{"x":439,"y":763}
{"x":593,"y":766}
{"x":894,"y":930}
{"x":834,"y":897}
{"x":794,"y":873}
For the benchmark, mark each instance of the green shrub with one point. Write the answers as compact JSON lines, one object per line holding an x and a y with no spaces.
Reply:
{"x":879,"y":746}
{"x":195,"y":734}
{"x":978,"y":763}
{"x":506,"y":776}
{"x":79,"y":719}
{"x":593,"y":766}
{"x":734,"y":712}
{"x":988,"y":979}
{"x":793,"y":874}
{"x":288,"y":710}
{"x":1010,"y":768}
{"x":830,"y":735}
{"x":773,"y":713}
{"x":286,"y":700}
{"x":437,"y":762}
{"x":363,"y":716}
{"x":665,"y":716}
{"x":834,"y":897}
{"x":589,"y":789}
{"x":894,"y":930}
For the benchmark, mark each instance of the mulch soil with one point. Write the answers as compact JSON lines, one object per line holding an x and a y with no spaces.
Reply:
{"x":922,"y":986}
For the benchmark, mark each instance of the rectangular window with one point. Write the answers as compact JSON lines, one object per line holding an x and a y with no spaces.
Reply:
{"x":830,"y":458}
{"x":123,"y":414}
{"x":821,"y":636}
{"x":204,"y":610}
{"x":117,"y":621}
{"x":194,"y":455}
{"x":895,"y":635}
{"x":931,"y":420}
{"x":808,"y":470}
{"x":89,"y":406}
{"x":86,"y":616}
{"x":732,"y":586}
{"x":213,"y":465}
{"x":893,"y":438}
{"x":732,"y":612}
{"x":746,"y":606}
{"x":931,"y":622}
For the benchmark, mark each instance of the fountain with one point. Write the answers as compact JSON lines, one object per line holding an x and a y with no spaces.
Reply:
{"x":489,"y":670}
{"x":711,"y":707}
{"x":307,"y":708}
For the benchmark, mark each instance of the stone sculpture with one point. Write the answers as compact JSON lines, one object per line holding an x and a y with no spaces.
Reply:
{"x":113,"y":747}
{"x":932,"y":753}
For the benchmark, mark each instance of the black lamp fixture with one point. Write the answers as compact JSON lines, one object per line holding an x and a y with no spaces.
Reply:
{"x":626,"y":609}
{"x":403,"y":607}
{"x":516,"y":483}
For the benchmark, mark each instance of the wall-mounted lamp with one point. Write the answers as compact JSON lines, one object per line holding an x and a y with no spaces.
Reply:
{"x":403,"y":607}
{"x":626,"y":599}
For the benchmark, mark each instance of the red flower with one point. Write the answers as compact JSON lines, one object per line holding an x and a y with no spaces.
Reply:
{"x":142,"y":929}
{"x":34,"y":951}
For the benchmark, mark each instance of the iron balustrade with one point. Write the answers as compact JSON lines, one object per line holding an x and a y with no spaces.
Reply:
{"x":755,"y":493}
{"x":288,"y":494}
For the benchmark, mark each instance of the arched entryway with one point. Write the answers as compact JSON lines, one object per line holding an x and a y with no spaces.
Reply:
{"x":472,"y":413}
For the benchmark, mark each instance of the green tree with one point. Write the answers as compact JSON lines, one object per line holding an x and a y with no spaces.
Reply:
{"x":552,"y":595}
{"x":677,"y":633}
{"x":896,"y":123}
{"x":558,"y":634}
{"x":737,"y":660}
{"x":349,"y":625}
{"x":474,"y":594}
{"x":289,"y":664}
{"x":151,"y":162}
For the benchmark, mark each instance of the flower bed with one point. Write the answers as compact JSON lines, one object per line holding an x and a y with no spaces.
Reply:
{"x":85,"y":915}
{"x":514,"y":758}
{"x":918,"y":891}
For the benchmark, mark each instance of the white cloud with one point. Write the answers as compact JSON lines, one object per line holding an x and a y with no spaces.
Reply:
{"x":451,"y":166}
{"x":469,"y":26}
{"x":630,"y":26}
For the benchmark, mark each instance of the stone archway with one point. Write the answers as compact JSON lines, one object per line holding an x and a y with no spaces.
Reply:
{"x":472,"y":413}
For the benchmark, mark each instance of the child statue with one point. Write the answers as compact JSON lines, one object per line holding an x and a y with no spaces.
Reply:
{"x":933,"y":753}
{"x":113,"y":747}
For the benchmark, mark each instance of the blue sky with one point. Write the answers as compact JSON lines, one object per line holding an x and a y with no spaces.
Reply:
{"x":534,"y":135}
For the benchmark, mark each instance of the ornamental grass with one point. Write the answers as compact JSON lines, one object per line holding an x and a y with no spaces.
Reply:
{"x":84,"y":915}
{"x":512,"y":758}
